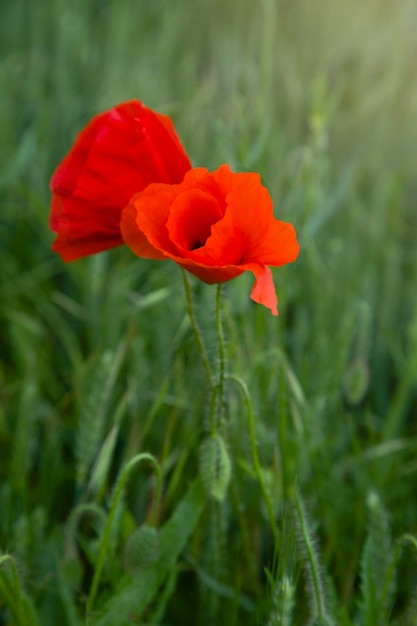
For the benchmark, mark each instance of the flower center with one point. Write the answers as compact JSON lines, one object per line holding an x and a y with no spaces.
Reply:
{"x":191,"y":217}
{"x":200,"y":241}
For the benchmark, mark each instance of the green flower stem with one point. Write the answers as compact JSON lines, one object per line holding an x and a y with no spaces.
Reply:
{"x":217,"y":389}
{"x":118,"y":492}
{"x":255,"y":458}
{"x":156,"y":505}
{"x":213,"y":405}
{"x":407,"y":537}
{"x":74,"y":520}
{"x":197,"y":333}
{"x":222,"y":350}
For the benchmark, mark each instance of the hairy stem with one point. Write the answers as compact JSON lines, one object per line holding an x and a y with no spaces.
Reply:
{"x":196,"y":329}
{"x":255,"y":457}
{"x":222,"y":351}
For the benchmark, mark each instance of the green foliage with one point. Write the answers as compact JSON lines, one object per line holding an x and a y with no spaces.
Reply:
{"x":378,"y":566}
{"x":134,"y":595}
{"x":21,"y":608}
{"x":92,"y":417}
{"x":282,"y":581}
{"x":100,"y":367}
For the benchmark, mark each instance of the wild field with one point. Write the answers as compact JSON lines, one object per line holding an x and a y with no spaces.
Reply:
{"x":112,"y":512}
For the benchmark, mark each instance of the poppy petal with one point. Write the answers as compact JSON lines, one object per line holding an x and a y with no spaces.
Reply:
{"x":214,"y":226}
{"x":278,"y":245}
{"x":74,"y":240}
{"x":135,"y":238}
{"x":143,"y":222}
{"x":263,"y":291}
{"x":118,"y":154}
{"x":191,"y":216}
{"x":225,"y":245}
{"x":210,"y":274}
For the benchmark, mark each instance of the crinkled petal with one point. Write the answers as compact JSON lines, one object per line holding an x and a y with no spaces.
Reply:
{"x":74,"y":238}
{"x":277,"y":247}
{"x":224,"y":246}
{"x":173,"y":221}
{"x":118,"y":154}
{"x":191,"y":216}
{"x":143,"y":222}
{"x":263,"y":291}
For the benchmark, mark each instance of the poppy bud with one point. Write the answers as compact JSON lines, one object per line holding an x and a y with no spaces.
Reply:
{"x":141,"y":549}
{"x":355,"y":382}
{"x":215,"y":466}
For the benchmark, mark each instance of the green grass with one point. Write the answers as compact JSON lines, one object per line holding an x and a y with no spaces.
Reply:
{"x":99,"y":363}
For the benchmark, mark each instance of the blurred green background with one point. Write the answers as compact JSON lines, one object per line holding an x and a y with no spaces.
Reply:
{"x":318,"y":97}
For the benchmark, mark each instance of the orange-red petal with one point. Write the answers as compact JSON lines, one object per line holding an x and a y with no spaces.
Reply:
{"x":278,"y":245}
{"x":263,"y":291}
{"x":143,"y":222}
{"x":191,"y":216}
{"x":216,"y":226}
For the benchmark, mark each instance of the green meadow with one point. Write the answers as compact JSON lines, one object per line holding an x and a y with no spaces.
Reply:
{"x":116,"y":506}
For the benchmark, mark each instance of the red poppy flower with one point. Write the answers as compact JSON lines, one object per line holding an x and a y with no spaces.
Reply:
{"x":118,"y":154}
{"x":215,"y":225}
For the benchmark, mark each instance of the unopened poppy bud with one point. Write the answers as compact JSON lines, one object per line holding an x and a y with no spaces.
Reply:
{"x":215,"y":466}
{"x":141,"y":549}
{"x":355,"y":382}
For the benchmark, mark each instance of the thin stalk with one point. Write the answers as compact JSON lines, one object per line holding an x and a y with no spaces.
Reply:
{"x":73,"y":521}
{"x":118,"y":492}
{"x":213,"y":405}
{"x":216,"y":402}
{"x":410,"y":538}
{"x":255,"y":458}
{"x":222,"y":351}
{"x":196,"y":329}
